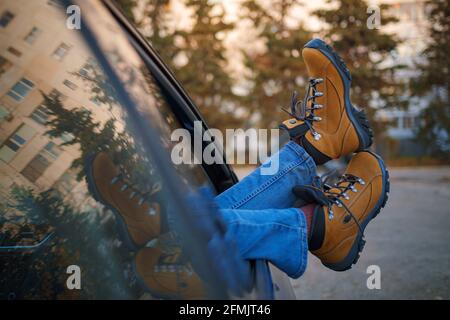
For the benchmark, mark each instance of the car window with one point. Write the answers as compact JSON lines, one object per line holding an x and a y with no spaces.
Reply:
{"x":80,"y":193}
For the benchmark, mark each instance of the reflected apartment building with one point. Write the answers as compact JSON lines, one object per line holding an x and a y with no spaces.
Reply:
{"x":412,"y":29}
{"x":39,"y":55}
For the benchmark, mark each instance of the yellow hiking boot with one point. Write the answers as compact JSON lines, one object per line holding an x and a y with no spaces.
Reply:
{"x":344,"y":209}
{"x":138,"y":215}
{"x":325,"y":123}
{"x":167,"y":276}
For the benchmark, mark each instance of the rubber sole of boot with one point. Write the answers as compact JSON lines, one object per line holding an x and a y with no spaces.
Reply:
{"x":358,"y":118}
{"x":155,"y":294}
{"x":122,"y":228}
{"x":358,"y":245}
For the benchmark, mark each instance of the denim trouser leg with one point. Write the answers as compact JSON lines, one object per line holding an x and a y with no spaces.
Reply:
{"x":259,"y":215}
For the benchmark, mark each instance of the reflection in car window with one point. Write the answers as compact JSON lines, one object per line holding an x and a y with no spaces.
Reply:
{"x":77,"y":187}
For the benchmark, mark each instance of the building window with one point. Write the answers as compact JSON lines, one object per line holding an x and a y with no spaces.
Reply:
{"x":51,"y":150}
{"x":40,"y":115}
{"x":95,"y":101}
{"x":14,"y":52}
{"x":15,"y":142}
{"x":61,"y":51}
{"x":55,"y":3}
{"x":5,"y":64}
{"x":36,"y":167}
{"x":21,"y":89}
{"x":32,"y":35}
{"x":70,"y":84}
{"x":84,"y":71}
{"x":410,"y":122}
{"x":5,"y":115}
{"x":67,"y":137}
{"x":6,"y":18}
{"x":55,"y":94}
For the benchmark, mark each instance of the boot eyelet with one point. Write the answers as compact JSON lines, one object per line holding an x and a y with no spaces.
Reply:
{"x":317,"y":136}
{"x":330,"y":215}
{"x":115,"y":179}
{"x":151,"y":211}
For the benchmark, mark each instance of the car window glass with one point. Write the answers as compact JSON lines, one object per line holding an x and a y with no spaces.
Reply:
{"x":78,"y":189}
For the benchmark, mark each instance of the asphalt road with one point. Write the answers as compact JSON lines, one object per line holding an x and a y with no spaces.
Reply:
{"x":409,"y":240}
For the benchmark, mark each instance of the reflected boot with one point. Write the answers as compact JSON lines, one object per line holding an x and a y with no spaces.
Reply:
{"x":344,"y":209}
{"x":166,"y":275}
{"x":325,"y":123}
{"x":138,"y":218}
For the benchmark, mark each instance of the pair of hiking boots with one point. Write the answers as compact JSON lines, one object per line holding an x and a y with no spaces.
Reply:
{"x":328,"y":127}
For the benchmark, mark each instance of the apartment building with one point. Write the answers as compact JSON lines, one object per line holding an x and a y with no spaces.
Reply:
{"x":39,"y":55}
{"x":411,"y":28}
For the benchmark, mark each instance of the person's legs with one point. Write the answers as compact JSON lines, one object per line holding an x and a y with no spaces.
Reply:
{"x":259,"y":212}
{"x":257,"y":191}
{"x":277,"y":235}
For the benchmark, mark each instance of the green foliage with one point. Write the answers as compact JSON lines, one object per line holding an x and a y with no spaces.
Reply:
{"x":92,"y":137}
{"x":204,"y":75}
{"x":82,"y":237}
{"x":364,"y":50}
{"x":127,"y":7}
{"x":279,"y":70}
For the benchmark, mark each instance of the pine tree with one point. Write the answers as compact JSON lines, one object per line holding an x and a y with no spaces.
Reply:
{"x":75,"y":241}
{"x":279,"y":70}
{"x":204,"y":75}
{"x":127,"y":7}
{"x":364,"y":50}
{"x":434,"y":82}
{"x":154,"y":24}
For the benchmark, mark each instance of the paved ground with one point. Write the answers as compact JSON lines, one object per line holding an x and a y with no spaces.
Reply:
{"x":409,"y":241}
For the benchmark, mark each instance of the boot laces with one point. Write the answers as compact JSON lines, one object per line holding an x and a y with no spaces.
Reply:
{"x":304,"y":110}
{"x":172,"y":263}
{"x":136,"y":194}
{"x":337,"y":191}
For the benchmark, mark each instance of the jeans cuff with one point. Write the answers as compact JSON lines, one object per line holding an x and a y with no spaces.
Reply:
{"x":303,"y":236}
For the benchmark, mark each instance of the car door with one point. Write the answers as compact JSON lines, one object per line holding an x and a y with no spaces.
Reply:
{"x":70,"y":95}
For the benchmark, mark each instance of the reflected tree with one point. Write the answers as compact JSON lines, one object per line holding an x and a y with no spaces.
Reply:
{"x":84,"y":238}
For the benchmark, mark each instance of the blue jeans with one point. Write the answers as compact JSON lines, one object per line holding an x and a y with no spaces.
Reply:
{"x":259,"y":212}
